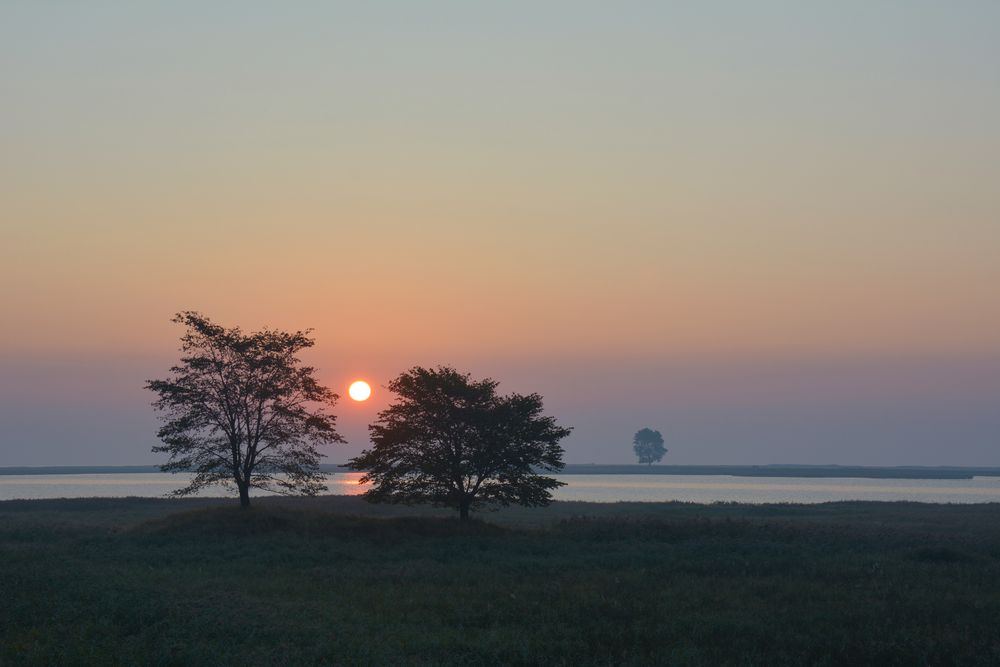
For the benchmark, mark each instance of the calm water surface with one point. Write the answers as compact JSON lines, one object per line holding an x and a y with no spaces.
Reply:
{"x":595,"y":488}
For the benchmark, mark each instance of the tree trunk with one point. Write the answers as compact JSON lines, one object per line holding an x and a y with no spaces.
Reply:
{"x":463,"y":510}
{"x":244,"y":495}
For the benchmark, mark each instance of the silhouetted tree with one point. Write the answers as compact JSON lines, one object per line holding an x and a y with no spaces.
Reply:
{"x":240,"y":410}
{"x":452,"y":441}
{"x":648,"y":446}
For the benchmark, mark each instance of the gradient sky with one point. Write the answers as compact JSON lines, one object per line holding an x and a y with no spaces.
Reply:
{"x":770,"y":230}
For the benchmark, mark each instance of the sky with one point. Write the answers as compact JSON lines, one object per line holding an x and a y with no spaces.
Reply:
{"x":770,"y":230}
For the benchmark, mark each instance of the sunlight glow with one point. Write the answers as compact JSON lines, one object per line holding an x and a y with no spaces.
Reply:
{"x":359,"y":390}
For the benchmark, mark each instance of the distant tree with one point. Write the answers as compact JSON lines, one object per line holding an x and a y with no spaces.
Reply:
{"x":240,"y":410}
{"x":454,"y":442}
{"x":648,"y":446}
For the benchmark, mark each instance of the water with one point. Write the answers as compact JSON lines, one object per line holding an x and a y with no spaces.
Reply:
{"x":725,"y":488}
{"x":143,"y":484}
{"x":594,"y":488}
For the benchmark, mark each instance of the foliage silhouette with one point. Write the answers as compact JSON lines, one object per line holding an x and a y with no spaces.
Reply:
{"x":240,"y":410}
{"x":648,"y":446}
{"x":454,"y":442}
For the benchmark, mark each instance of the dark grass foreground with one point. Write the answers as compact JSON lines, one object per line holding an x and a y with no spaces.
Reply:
{"x":142,"y":581}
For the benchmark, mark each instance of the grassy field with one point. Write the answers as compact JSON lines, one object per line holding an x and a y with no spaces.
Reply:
{"x":332,"y":580}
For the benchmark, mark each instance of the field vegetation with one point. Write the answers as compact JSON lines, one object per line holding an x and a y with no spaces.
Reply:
{"x":334,"y":580}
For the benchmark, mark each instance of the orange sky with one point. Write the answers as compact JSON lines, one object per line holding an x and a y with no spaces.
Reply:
{"x":588,"y":188}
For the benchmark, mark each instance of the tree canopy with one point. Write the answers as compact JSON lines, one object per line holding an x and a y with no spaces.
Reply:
{"x":241,"y":410}
{"x":648,"y":446}
{"x":452,"y":441}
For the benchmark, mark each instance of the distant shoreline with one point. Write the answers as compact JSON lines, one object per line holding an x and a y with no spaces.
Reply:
{"x":785,"y":470}
{"x":773,"y":470}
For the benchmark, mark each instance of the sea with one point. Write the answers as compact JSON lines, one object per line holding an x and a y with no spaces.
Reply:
{"x":604,"y":488}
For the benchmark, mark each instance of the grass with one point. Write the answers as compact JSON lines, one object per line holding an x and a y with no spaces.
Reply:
{"x":333,"y":580}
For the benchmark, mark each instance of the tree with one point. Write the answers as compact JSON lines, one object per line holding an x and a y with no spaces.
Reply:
{"x":240,"y":410}
{"x":648,"y":446}
{"x":454,"y":442}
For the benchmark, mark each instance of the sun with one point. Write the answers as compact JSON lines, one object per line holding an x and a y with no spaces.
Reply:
{"x":359,"y":390}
